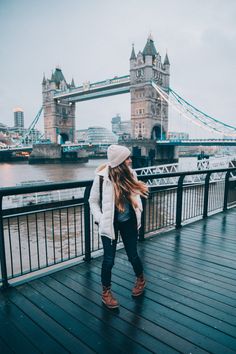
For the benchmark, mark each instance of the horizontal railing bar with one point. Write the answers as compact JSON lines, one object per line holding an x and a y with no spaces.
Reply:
{"x":43,"y":187}
{"x":41,"y":207}
{"x":184,"y":173}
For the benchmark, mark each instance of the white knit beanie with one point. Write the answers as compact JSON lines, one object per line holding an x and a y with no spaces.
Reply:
{"x":117,"y":154}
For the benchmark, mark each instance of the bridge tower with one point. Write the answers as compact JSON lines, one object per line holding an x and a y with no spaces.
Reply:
{"x":149,"y":112}
{"x":59,"y":115}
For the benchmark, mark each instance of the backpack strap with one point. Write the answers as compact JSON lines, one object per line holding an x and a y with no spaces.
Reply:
{"x":100,"y":191}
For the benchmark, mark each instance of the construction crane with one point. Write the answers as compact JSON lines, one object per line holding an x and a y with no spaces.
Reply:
{"x":32,"y":125}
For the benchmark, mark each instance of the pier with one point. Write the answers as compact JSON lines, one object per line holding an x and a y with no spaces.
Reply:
{"x":50,"y":262}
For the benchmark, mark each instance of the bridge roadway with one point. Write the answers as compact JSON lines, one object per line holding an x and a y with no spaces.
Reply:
{"x":16,"y":149}
{"x":89,"y":91}
{"x":185,"y":142}
{"x":188,"y":306}
{"x":197,"y":142}
{"x":65,"y":147}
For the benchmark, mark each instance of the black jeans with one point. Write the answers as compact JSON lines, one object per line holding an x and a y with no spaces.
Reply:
{"x":129,"y":235}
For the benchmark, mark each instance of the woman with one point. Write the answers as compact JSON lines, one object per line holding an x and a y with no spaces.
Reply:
{"x":116,"y":206}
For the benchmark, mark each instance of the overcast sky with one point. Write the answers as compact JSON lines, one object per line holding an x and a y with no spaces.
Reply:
{"x":91,"y":40}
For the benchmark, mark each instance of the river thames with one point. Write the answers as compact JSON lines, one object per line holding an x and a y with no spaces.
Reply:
{"x":13,"y":174}
{"x":16,"y":173}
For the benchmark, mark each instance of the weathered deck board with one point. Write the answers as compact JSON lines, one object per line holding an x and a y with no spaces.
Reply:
{"x":189,"y":305}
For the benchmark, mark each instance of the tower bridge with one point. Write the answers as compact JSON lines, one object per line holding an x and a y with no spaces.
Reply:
{"x":151,"y":96}
{"x":148,"y":84}
{"x":149,"y":114}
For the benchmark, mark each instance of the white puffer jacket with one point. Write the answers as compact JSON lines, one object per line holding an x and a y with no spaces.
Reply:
{"x":105,"y":219}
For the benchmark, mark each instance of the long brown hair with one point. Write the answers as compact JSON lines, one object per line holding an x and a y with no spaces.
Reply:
{"x":125,"y":185}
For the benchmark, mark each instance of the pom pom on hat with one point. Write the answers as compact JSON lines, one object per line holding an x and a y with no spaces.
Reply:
{"x":117,"y":154}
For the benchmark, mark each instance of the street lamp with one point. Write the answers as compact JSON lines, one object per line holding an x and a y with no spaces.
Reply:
{"x":160,"y":99}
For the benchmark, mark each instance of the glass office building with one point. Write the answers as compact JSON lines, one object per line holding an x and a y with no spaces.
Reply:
{"x":18,"y":118}
{"x":97,"y":135}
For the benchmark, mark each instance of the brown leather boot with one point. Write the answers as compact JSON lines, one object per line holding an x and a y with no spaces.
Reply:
{"x":108,"y":299}
{"x":139,"y":286}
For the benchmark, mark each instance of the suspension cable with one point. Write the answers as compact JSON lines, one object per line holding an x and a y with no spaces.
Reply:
{"x":200,"y":118}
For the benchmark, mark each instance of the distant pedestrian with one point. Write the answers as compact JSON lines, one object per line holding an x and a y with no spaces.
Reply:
{"x":116,"y":206}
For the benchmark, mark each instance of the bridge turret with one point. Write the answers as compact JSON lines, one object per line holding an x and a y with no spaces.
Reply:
{"x":59,"y":115}
{"x":166,"y":67}
{"x":59,"y":79}
{"x":149,"y":52}
{"x":149,"y":114}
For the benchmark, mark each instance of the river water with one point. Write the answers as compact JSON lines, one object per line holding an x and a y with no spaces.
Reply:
{"x":16,"y":173}
{"x":12,"y":174}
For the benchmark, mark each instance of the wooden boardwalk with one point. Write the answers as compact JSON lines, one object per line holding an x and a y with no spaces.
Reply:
{"x":189,"y":305}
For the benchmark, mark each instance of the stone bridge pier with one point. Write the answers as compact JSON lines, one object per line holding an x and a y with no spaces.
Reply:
{"x":146,"y":152}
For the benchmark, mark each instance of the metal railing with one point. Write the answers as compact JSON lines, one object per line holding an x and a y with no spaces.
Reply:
{"x":42,"y":235}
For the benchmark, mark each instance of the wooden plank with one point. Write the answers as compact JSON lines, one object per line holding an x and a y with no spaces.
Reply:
{"x":70,"y":324}
{"x":42,"y":341}
{"x":178,"y":313}
{"x":180,"y":246}
{"x":105,"y":341}
{"x":210,"y":236}
{"x":190,"y":284}
{"x":186,"y":298}
{"x":169,"y":263}
{"x":226,"y":296}
{"x":124,"y":321}
{"x":196,"y":245}
{"x":14,"y":338}
{"x":5,"y":349}
{"x":169,"y":337}
{"x":67,"y":341}
{"x":206,"y":257}
{"x":178,"y":288}
{"x":187,"y":260}
{"x":195,"y":275}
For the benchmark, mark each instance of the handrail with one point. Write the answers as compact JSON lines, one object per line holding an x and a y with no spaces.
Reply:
{"x":184,"y":173}
{"x":43,"y":187}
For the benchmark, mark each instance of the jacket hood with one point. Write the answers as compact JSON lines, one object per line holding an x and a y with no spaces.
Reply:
{"x":102,"y":170}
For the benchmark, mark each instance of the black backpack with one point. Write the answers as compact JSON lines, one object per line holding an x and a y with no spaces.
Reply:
{"x":100,"y":191}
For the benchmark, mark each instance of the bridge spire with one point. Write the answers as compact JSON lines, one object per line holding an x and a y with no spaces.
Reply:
{"x":72,"y":83}
{"x":166,"y":60}
{"x":44,"y":79}
{"x":52,"y":77}
{"x":133,"y":55}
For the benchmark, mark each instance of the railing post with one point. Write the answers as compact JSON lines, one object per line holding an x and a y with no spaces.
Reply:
{"x":206,"y":195}
{"x":226,"y":193}
{"x":179,"y":203}
{"x":87,"y":231}
{"x":143,"y":221}
{"x":3,"y":262}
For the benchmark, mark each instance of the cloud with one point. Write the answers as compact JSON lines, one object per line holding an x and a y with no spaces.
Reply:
{"x":91,"y":40}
